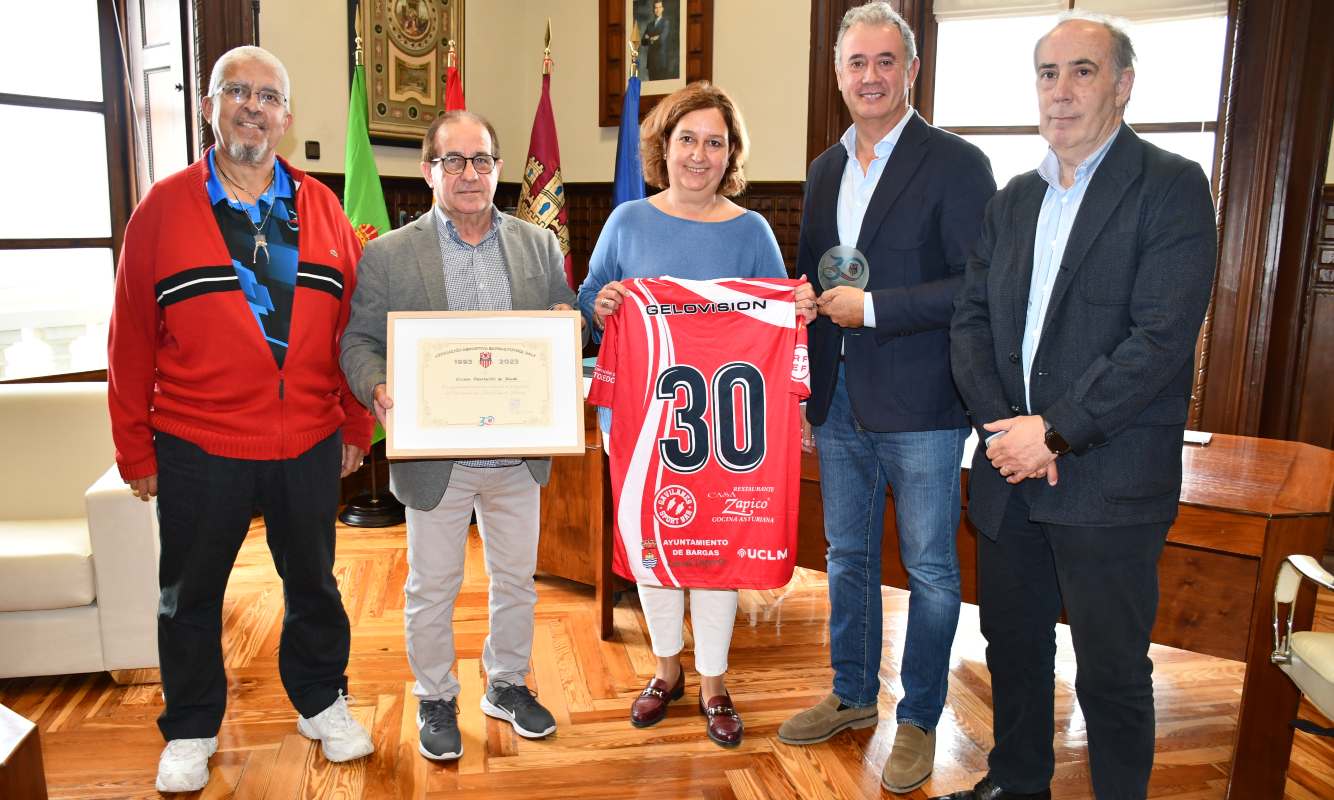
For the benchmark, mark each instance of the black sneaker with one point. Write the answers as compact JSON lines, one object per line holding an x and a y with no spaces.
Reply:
{"x":518,"y":705}
{"x":438,"y":722}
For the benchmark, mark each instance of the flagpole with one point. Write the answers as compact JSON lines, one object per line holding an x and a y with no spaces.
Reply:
{"x":628,"y":182}
{"x":634,"y":49}
{"x":546,"y":51}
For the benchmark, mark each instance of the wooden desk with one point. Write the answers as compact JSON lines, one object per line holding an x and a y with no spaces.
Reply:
{"x":20,"y":758}
{"x":1246,"y":504}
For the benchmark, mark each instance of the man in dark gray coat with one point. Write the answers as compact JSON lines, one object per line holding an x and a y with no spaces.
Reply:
{"x":465,"y":255}
{"x":1072,"y":345}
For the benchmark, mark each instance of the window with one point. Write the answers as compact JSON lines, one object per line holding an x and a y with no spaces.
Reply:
{"x":984,"y":79}
{"x":56,"y":215}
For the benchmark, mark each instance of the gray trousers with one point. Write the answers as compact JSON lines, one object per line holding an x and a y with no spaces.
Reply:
{"x":507,"y":503}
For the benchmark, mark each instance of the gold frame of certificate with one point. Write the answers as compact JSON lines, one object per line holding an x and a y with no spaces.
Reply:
{"x":484,"y":384}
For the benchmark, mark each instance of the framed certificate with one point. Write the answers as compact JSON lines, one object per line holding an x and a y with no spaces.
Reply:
{"x":484,"y":384}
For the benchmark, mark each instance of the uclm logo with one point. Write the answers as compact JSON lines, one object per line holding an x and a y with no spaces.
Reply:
{"x":756,"y":554}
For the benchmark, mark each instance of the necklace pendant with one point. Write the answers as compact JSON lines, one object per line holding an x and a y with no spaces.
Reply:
{"x":261,"y":243}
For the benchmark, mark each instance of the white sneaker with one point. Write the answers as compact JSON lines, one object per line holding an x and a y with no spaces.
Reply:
{"x":183,"y":766}
{"x":341,"y":737}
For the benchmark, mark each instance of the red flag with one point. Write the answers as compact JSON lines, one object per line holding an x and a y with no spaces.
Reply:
{"x":453,"y":91}
{"x":542,"y":201}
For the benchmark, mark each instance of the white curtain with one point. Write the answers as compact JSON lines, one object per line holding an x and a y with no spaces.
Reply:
{"x":974,"y":9}
{"x":1136,"y":10}
{"x":1155,"y":10}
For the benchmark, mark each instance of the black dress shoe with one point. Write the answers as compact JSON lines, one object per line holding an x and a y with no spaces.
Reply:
{"x":986,"y":790}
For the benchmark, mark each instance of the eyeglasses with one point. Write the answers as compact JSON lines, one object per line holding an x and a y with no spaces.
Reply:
{"x":240,"y":93}
{"x":455,"y":163}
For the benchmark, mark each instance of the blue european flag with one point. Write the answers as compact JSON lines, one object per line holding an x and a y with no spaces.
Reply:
{"x":629,"y":183}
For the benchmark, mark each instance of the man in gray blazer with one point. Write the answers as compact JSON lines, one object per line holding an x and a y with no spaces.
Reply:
{"x":465,"y":255}
{"x":1072,"y":345}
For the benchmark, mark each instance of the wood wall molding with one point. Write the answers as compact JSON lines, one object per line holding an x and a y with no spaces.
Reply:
{"x":1276,"y":139}
{"x":922,"y":19}
{"x":589,"y":204}
{"x":216,"y":27}
{"x":1311,"y":400}
{"x":826,"y":116}
{"x":1227,"y":102}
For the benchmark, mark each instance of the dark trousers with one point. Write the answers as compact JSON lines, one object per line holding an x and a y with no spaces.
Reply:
{"x":204,"y":507}
{"x":1108,"y":581}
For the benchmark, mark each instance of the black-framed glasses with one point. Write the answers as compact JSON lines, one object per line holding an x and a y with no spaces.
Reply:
{"x":240,"y":93}
{"x":455,"y":163}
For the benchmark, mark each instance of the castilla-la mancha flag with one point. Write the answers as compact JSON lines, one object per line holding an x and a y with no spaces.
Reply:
{"x":363,"y":199}
{"x":542,"y":200}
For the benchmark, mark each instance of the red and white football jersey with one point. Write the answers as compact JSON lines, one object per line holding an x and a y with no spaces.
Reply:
{"x":703,"y":379}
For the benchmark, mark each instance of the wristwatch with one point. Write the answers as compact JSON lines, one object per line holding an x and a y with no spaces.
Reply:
{"x":1055,"y":442}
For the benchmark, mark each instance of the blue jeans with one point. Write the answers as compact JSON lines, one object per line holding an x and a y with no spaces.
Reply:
{"x":922,"y":468}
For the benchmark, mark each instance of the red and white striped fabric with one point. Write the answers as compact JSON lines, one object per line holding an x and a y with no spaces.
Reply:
{"x":703,"y":379}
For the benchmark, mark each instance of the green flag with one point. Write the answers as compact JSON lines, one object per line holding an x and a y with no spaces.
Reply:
{"x":363,"y":199}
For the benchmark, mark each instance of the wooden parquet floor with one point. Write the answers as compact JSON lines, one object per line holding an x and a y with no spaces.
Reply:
{"x":99,"y":739}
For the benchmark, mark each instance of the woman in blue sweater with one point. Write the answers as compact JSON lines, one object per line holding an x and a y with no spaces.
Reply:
{"x":693,"y":145}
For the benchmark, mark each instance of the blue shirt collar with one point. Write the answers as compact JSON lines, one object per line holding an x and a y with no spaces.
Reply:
{"x":1050,"y":168}
{"x":281,"y":186}
{"x":883,"y":147}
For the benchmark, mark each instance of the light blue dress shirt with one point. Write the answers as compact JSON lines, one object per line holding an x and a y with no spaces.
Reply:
{"x":1060,"y":206}
{"x":856,"y":188}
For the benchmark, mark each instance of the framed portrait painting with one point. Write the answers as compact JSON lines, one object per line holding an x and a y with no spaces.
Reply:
{"x":674,"y":43}
{"x":660,"y":44}
{"x":406,"y":46}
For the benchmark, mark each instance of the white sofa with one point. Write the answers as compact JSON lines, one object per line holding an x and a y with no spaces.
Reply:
{"x":78,"y":552}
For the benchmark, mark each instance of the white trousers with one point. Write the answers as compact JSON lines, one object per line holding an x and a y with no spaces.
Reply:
{"x":712,"y":615}
{"x":507,"y":502}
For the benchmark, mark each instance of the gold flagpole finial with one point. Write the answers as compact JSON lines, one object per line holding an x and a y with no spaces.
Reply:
{"x":356,"y":27}
{"x":546,"y":52}
{"x":634,"y":49}
{"x":452,"y":58}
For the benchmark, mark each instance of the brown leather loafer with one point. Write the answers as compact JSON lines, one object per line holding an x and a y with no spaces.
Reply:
{"x":651,"y":705}
{"x":724,"y":723}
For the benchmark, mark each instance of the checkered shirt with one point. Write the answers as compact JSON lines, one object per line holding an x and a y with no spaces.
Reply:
{"x":475,"y":280}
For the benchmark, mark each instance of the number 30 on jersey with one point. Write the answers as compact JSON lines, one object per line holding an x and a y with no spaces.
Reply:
{"x":733,"y":432}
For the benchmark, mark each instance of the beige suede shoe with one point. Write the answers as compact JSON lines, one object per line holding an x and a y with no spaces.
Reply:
{"x":823,"y":720}
{"x":911,"y":761}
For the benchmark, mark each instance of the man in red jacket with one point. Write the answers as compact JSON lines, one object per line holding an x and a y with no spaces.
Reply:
{"x":233,"y":288}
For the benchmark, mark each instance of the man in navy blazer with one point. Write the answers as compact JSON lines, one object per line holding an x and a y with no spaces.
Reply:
{"x":1073,"y":343}
{"x":883,"y":407}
